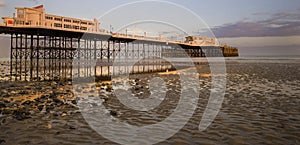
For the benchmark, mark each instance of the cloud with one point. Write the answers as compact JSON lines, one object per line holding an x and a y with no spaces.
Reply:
{"x":2,"y":4}
{"x":279,"y":24}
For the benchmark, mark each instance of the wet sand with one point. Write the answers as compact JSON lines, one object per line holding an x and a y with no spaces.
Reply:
{"x":261,"y":106}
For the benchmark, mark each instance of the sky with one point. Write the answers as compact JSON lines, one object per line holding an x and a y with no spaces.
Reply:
{"x":256,"y":27}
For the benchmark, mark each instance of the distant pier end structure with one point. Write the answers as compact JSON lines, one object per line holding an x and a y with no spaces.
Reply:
{"x":43,"y":46}
{"x":210,"y":44}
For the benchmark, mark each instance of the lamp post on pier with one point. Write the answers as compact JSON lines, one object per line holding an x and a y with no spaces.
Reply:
{"x":111,"y":28}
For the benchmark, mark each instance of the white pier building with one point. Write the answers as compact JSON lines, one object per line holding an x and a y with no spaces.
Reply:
{"x":37,"y":17}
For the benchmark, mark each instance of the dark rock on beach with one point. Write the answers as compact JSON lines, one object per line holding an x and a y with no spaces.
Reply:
{"x":2,"y":105}
{"x":2,"y":141}
{"x":21,"y":115}
{"x":40,"y":107}
{"x":113,"y":113}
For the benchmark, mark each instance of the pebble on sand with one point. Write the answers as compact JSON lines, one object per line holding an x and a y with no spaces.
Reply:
{"x":49,"y":126}
{"x":63,"y":114}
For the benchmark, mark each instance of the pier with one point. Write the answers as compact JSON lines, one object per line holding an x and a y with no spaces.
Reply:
{"x":41,"y":51}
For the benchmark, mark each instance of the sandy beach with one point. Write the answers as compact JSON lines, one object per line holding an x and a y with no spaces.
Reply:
{"x":261,"y":106}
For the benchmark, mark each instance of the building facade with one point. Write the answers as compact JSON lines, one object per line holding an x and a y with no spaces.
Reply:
{"x":37,"y":17}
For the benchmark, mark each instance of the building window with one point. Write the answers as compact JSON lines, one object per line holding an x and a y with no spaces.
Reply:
{"x":57,"y":19}
{"x":85,"y":23}
{"x":20,"y":13}
{"x":20,"y":16}
{"x":19,"y":22}
{"x":67,"y":20}
{"x":91,"y":23}
{"x":75,"y":21}
{"x":83,"y":28}
{"x":57,"y":25}
{"x":67,"y":26}
{"x":49,"y":18}
{"x":75,"y":27}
